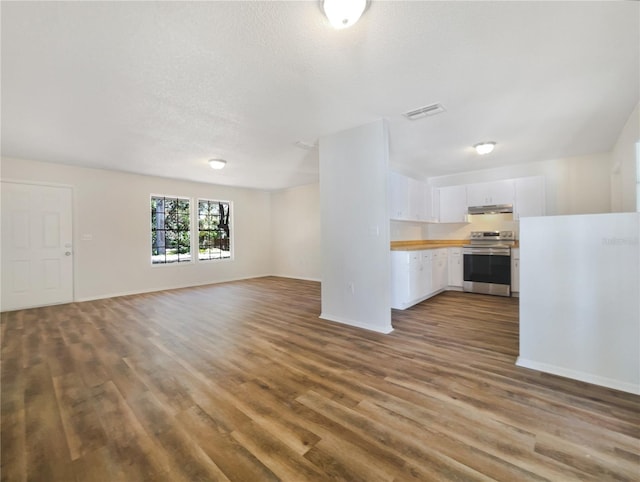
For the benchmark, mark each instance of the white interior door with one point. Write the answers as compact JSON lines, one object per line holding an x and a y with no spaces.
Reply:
{"x":37,"y":255}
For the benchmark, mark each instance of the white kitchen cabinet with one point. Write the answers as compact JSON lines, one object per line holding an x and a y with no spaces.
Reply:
{"x":452,"y":204}
{"x":409,"y":199}
{"x":400,"y":261}
{"x":412,"y":277}
{"x":417,"y":200}
{"x":408,"y":278}
{"x":440,"y":270}
{"x":435,"y":204}
{"x":515,"y":270}
{"x":529,"y":197}
{"x":398,"y":196}
{"x":427,"y":269}
{"x":455,"y":267}
{"x":416,"y":276}
{"x":490,"y":193}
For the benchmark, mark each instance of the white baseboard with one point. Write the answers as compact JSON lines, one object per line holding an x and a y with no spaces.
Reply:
{"x":317,"y":280}
{"x":153,"y":290}
{"x":357,"y":324}
{"x":580,"y":376}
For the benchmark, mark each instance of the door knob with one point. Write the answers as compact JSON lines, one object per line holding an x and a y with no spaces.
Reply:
{"x":67,"y":253}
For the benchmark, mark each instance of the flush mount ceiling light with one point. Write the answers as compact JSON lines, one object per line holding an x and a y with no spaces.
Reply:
{"x":484,"y":147}
{"x":343,"y":13}
{"x":217,"y":163}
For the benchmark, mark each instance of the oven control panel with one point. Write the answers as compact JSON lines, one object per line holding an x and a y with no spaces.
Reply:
{"x":493,"y":235}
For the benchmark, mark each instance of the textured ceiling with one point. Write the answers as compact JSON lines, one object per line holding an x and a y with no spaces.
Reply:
{"x":160,"y":88}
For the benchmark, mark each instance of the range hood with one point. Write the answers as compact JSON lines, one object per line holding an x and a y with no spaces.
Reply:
{"x":491,"y":209}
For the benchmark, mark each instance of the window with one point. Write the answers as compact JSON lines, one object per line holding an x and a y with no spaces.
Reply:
{"x":214,"y":229}
{"x":170,"y":230}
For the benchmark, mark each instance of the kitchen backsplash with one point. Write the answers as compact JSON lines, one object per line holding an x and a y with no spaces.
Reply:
{"x":406,"y":231}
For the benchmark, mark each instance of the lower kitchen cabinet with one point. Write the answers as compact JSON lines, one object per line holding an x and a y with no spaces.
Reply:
{"x":417,"y":275}
{"x":406,"y":267}
{"x":455,"y":267}
{"x":440,"y":270}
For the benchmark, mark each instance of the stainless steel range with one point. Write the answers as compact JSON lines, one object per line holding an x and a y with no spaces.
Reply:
{"x":487,"y":262}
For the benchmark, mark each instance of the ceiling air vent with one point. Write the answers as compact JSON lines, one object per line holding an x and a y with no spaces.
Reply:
{"x":425,"y":111}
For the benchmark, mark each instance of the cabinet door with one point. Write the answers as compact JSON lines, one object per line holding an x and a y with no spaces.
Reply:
{"x":435,"y":278}
{"x":398,"y":196}
{"x":399,"y":279}
{"x":502,"y":192}
{"x":439,"y":271}
{"x":477,"y":194}
{"x":433,"y":204}
{"x":427,"y":269}
{"x":416,"y":276}
{"x":453,"y":204}
{"x":529,"y":193}
{"x":455,"y":267}
{"x":489,"y":193}
{"x":443,"y":269}
{"x":417,"y":200}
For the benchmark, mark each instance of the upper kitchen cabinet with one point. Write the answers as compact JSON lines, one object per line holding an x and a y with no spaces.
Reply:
{"x":417,"y":200}
{"x":529,"y":197}
{"x":410,"y":199}
{"x":398,"y":196}
{"x":452,"y":202}
{"x":491,"y":193}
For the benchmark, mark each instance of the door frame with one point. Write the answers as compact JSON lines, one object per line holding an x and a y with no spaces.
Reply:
{"x":73,"y":221}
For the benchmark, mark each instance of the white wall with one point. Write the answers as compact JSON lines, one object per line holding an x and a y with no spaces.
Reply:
{"x":580,"y":298}
{"x":624,"y":166}
{"x":354,"y":171}
{"x":295,"y":232}
{"x":406,"y":231}
{"x":113,"y":207}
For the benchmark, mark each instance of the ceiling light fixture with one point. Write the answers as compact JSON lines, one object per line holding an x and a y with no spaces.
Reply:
{"x":343,"y":13}
{"x":484,"y":147}
{"x":217,"y":163}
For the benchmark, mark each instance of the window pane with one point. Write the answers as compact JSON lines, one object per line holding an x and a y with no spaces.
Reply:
{"x":170,"y":230}
{"x":157,"y":203}
{"x":214,"y":233}
{"x":169,"y":205}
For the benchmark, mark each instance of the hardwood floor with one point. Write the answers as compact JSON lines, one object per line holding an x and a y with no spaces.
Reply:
{"x":241,"y":381}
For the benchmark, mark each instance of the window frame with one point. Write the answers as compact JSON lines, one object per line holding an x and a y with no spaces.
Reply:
{"x":191,"y":261}
{"x":196,"y":214}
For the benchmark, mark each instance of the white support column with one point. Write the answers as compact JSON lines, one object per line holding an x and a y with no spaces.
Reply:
{"x":354,"y":167}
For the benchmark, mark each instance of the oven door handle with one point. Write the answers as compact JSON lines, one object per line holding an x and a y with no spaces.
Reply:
{"x":488,"y":251}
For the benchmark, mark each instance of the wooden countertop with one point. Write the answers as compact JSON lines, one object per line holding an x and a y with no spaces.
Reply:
{"x":427,"y":244}
{"x":432,"y":244}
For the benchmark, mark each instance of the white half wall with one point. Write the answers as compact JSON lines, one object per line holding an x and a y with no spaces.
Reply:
{"x":112,"y":208}
{"x":295,"y":232}
{"x":580,"y":298}
{"x":356,"y":266}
